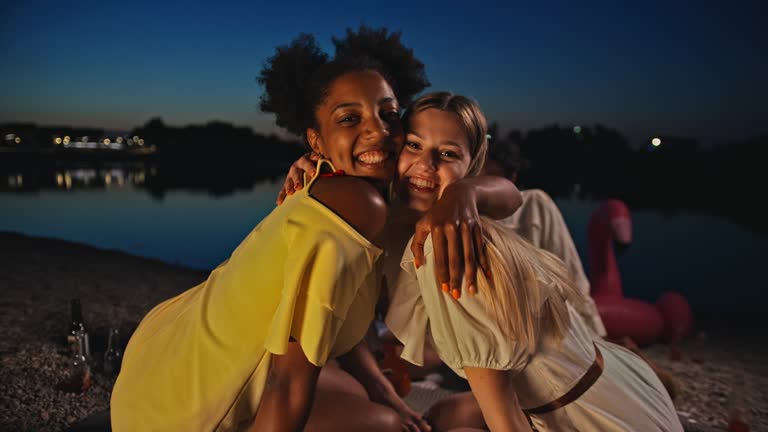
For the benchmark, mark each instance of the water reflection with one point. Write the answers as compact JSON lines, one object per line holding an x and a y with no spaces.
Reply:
{"x":91,"y":177}
{"x":155,"y":176}
{"x":64,"y":178}
{"x":15,"y":181}
{"x":160,"y":174}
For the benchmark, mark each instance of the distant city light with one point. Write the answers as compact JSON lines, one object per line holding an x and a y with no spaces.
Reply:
{"x":135,"y":138}
{"x":119,"y":140}
{"x":57,"y":141}
{"x":66,"y":139}
{"x":84,"y":139}
{"x":107,"y":141}
{"x":17,"y":140}
{"x":9,"y":137}
{"x":107,"y":179}
{"x":656,"y":142}
{"x":577,"y":129}
{"x":59,"y":179}
{"x":141,"y":141}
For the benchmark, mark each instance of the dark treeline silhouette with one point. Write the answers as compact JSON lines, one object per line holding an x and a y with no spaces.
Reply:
{"x":678,"y":175}
{"x":218,"y":156}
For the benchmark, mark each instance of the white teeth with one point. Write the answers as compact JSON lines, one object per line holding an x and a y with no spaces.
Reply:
{"x":422,"y":183}
{"x":372,"y":157}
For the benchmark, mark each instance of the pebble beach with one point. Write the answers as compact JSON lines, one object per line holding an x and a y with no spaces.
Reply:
{"x":718,"y":375}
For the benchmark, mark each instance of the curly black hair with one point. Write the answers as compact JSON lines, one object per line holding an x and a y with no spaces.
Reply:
{"x":296,"y":79}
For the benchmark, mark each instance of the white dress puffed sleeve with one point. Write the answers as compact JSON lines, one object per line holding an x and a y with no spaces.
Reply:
{"x":462,"y":331}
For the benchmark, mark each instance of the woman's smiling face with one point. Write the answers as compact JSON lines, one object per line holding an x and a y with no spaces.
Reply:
{"x":359,"y":126}
{"x":435,"y":155}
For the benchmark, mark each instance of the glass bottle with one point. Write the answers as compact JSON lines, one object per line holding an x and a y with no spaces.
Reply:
{"x":76,"y":323}
{"x":113,"y":356}
{"x":79,"y":376}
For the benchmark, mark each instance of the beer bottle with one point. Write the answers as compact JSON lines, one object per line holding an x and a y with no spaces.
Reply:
{"x":76,"y":323}
{"x":113,"y":356}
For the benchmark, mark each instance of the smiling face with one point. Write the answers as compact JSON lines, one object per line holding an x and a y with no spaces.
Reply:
{"x":436,"y":154}
{"x":359,"y":127}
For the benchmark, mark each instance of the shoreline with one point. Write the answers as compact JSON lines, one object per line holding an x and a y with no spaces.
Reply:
{"x":38,"y":277}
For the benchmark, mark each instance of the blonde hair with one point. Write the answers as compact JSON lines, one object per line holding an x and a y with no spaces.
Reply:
{"x":470,"y":116}
{"x":527,"y":292}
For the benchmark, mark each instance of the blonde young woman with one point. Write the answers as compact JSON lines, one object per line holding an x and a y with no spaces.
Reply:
{"x":518,"y":337}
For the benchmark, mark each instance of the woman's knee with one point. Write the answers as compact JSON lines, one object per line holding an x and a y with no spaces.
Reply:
{"x":342,"y":411}
{"x":385,"y":419}
{"x":456,"y":411}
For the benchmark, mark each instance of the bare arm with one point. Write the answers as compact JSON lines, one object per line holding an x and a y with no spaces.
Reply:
{"x":287,"y":397}
{"x":360,"y":363}
{"x":497,"y":197}
{"x":497,"y":400}
{"x":454,"y":225}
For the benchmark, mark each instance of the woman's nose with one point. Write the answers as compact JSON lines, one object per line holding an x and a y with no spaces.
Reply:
{"x":376,"y":128}
{"x":427,"y":160}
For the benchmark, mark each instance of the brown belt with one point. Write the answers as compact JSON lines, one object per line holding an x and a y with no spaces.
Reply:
{"x":586,"y":381}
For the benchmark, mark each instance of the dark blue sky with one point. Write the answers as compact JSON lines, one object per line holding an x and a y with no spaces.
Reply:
{"x":646,"y":68}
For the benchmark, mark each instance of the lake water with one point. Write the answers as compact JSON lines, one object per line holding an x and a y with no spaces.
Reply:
{"x":718,"y":265}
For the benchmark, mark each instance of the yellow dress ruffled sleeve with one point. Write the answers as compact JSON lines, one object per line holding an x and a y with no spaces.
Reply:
{"x":323,"y":271}
{"x":322,"y":274}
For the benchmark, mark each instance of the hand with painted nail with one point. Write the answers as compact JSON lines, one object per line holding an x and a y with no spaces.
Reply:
{"x":294,"y":180}
{"x":457,"y":240}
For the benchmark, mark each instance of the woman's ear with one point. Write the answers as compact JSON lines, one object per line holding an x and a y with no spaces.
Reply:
{"x":314,"y":140}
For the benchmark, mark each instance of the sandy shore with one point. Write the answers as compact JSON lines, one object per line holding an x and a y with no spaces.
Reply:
{"x":39,"y":276}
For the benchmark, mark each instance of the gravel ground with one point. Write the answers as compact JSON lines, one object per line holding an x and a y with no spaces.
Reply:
{"x":39,"y":276}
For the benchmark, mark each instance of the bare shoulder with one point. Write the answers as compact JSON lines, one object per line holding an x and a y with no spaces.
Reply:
{"x":355,"y":200}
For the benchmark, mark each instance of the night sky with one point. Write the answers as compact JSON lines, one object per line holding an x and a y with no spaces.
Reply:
{"x":692,"y":69}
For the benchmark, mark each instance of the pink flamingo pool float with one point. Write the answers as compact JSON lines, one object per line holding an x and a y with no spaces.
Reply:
{"x":670,"y":319}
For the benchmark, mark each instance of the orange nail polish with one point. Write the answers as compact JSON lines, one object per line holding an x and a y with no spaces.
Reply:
{"x":455,"y":294}
{"x":444,"y":287}
{"x":472,"y":290}
{"x":488,"y":274}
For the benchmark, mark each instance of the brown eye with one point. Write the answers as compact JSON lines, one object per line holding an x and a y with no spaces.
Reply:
{"x":391,"y":116}
{"x":348,"y":119}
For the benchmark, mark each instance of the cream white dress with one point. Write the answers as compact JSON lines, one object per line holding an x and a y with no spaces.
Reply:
{"x":627,"y":397}
{"x":539,"y":221}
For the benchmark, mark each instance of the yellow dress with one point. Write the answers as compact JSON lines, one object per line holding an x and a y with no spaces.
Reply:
{"x":199,"y":361}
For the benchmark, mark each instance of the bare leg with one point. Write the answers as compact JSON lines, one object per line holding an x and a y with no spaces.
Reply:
{"x":460,"y":410}
{"x":341,"y":404}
